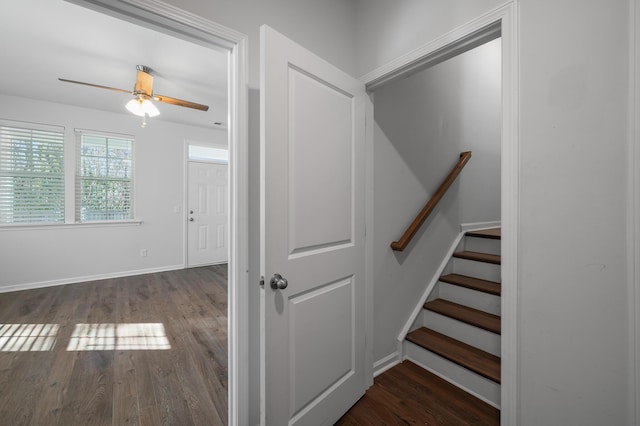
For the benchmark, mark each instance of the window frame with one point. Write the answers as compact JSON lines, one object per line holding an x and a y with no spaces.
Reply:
{"x":78,"y":178}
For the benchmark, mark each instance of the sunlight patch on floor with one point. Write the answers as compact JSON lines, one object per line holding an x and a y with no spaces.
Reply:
{"x":27,"y":337}
{"x":127,"y":336}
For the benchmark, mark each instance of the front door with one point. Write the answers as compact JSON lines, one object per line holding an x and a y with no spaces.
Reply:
{"x":207,"y":215}
{"x":312,"y":247}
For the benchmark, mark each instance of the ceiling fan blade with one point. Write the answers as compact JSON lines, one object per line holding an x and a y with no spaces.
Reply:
{"x":95,"y":85}
{"x":180,"y":102}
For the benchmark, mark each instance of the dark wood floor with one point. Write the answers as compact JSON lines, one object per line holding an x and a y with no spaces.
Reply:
{"x":407,"y":394}
{"x":183,"y":385}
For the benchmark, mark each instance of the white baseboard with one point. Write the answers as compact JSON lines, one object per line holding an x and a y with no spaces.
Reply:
{"x":476,"y":226}
{"x":386,"y":363}
{"x":87,"y":278}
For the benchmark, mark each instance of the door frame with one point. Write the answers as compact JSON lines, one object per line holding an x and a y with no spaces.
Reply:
{"x":172,"y":20}
{"x":501,"y":20}
{"x":633,"y":241}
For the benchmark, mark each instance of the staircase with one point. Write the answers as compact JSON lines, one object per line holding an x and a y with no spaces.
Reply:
{"x":457,"y":334}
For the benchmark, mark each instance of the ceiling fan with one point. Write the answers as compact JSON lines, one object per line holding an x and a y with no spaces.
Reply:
{"x":143,"y":94}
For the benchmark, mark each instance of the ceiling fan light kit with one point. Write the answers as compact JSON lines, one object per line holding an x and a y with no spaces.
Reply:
{"x":141,"y":105}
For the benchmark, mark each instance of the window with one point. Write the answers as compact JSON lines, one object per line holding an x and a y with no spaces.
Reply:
{"x":208,"y":154}
{"x":104,"y":181}
{"x":31,"y":173}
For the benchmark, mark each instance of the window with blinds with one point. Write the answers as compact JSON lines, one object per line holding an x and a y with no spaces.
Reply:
{"x":31,"y":173}
{"x":104,"y":178}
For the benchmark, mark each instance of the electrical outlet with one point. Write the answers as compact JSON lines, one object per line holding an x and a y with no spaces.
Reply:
{"x":143,"y":253}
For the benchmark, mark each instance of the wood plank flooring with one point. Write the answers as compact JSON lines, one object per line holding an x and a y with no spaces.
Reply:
{"x":407,"y":394}
{"x":183,"y":385}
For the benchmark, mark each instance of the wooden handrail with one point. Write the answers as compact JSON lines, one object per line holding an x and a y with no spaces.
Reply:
{"x":403,"y":242}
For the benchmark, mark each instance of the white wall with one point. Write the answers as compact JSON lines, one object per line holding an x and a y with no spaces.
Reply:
{"x":387,"y":30}
{"x":574,"y":325}
{"x":36,"y":256}
{"x":573,"y":288}
{"x":324,"y":27}
{"x":422,"y":124}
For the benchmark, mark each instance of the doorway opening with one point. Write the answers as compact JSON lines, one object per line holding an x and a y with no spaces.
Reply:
{"x":422,"y":125}
{"x":172,"y":21}
{"x":500,"y":22}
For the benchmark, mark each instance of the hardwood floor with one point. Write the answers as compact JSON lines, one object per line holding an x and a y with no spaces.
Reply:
{"x":179,"y":379}
{"x":407,"y":394}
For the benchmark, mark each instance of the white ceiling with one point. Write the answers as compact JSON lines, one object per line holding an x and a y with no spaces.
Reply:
{"x":42,"y":40}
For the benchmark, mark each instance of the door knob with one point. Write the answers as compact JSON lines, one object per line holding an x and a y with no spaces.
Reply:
{"x":191,"y":219}
{"x":278,"y":282}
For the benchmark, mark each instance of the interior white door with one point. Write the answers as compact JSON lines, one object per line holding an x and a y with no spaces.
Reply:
{"x":312,"y":148}
{"x":207,"y":215}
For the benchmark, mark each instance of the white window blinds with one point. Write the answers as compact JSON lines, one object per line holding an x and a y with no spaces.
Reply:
{"x":104,"y":178}
{"x":31,"y":173}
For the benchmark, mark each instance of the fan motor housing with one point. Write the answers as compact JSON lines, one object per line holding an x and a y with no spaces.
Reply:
{"x":144,"y":82}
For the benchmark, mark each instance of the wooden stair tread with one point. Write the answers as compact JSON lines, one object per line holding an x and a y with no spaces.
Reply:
{"x":478,"y":257}
{"x":475,"y":317}
{"x":493,"y":233}
{"x":474,"y":359}
{"x":485,"y":286}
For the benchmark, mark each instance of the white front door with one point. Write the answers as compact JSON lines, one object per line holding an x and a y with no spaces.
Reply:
{"x":207,"y":216}
{"x":312,"y":148}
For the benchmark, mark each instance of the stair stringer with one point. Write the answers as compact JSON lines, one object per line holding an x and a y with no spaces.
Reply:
{"x":427,"y":292}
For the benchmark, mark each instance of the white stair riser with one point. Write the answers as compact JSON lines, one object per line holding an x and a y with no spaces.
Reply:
{"x":472,"y":268}
{"x":467,"y":380}
{"x":472,"y":298}
{"x":469,"y":334}
{"x":482,"y":245}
